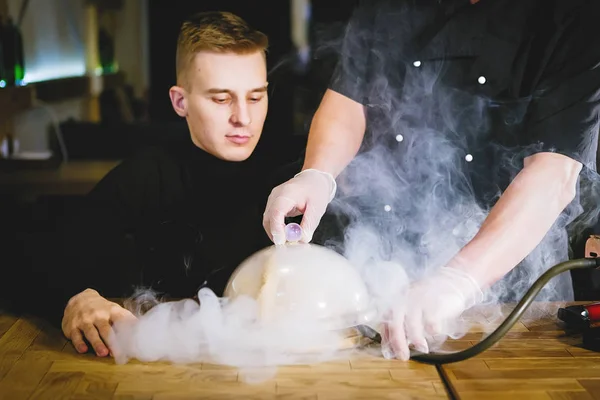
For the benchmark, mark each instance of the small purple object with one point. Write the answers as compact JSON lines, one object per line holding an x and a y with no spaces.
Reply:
{"x":293,"y":232}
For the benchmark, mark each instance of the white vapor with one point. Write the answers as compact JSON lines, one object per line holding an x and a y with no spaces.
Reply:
{"x":279,"y":310}
{"x":405,"y":206}
{"x":429,"y":169}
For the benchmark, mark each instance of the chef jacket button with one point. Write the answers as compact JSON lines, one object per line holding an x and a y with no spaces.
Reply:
{"x":469,"y":157}
{"x":482,"y":80}
{"x":417,"y":63}
{"x":399,"y":138}
{"x":387,"y":208}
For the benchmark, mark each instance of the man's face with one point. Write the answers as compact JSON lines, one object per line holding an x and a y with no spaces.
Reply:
{"x":225,"y":104}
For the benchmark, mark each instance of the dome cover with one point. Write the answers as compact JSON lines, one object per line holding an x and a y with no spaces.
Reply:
{"x":300,"y":280}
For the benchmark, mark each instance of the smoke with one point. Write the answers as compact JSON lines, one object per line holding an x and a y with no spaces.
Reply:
{"x":275,"y":313}
{"x":231,"y":333}
{"x":434,"y":161}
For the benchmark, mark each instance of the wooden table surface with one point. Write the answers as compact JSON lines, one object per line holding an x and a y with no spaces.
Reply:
{"x":36,"y":362}
{"x":535,"y":361}
{"x":72,"y":178}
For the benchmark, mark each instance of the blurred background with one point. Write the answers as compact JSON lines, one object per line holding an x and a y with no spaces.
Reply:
{"x":84,"y":84}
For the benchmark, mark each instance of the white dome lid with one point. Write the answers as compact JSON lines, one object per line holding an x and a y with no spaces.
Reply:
{"x":303,"y":281}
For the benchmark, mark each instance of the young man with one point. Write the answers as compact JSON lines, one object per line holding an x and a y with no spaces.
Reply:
{"x":178,"y":217}
{"x":489,"y":74}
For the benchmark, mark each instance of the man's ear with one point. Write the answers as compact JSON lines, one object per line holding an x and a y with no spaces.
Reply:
{"x":178,"y":100}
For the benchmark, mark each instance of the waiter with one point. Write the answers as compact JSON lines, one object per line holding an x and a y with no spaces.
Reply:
{"x":515,"y":80}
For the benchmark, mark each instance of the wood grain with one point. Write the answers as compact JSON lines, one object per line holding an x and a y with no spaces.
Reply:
{"x":36,"y":362}
{"x":538,"y":362}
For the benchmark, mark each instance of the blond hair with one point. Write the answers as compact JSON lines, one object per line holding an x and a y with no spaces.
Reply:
{"x":215,"y":31}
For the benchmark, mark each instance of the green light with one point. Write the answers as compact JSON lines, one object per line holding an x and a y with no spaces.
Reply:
{"x":19,"y":72}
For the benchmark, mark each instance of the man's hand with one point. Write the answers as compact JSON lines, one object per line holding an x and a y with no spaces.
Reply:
{"x":532,"y":202}
{"x":308,"y":193}
{"x":91,"y":315}
{"x":431,"y":308}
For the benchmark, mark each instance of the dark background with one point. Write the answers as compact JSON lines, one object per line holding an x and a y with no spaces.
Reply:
{"x":272,"y":18}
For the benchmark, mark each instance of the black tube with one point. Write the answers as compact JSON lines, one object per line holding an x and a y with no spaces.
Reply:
{"x":513,"y":317}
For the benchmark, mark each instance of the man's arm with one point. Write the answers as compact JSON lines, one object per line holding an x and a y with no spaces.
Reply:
{"x":335,"y":137}
{"x":338,"y":126}
{"x":532,"y":203}
{"x":562,"y":123}
{"x":336,"y":133}
{"x":90,"y":253}
{"x":562,"y":126}
{"x":91,"y":245}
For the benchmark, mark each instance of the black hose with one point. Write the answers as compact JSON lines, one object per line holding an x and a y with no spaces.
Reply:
{"x":513,"y":317}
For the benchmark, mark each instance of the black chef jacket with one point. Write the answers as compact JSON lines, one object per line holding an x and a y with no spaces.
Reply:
{"x":484,"y":84}
{"x":172,"y":218}
{"x":499,"y":77}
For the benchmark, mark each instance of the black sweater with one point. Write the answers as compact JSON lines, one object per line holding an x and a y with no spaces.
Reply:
{"x":171,"y":218}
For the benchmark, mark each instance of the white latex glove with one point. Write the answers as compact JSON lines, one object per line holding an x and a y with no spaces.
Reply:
{"x":307,"y":193}
{"x":431,"y":308}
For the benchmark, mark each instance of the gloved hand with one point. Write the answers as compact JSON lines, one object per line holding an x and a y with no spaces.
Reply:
{"x":431,"y":309}
{"x":308,"y":193}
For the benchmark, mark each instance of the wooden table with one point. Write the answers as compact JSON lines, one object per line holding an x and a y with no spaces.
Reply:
{"x":535,"y":361}
{"x":36,"y":362}
{"x":72,"y":178}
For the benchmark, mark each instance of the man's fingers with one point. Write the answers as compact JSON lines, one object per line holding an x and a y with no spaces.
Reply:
{"x":91,"y":333}
{"x":77,"y":340}
{"x":415,"y":334}
{"x":310,"y":221}
{"x":398,"y":338}
{"x":386,"y":349}
{"x":274,"y":218}
{"x":105,"y":330}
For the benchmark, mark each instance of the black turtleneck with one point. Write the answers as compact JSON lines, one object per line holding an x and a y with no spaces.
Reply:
{"x":171,"y":218}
